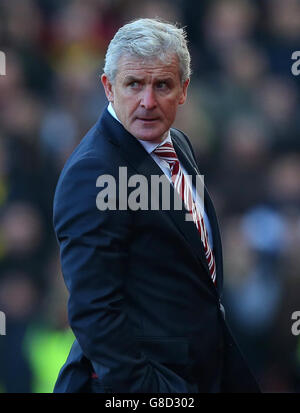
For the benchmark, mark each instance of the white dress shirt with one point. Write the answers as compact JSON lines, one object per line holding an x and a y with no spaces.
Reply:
{"x":164,"y":166}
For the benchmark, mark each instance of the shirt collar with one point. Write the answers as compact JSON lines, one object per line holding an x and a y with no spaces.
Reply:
{"x":149,"y":146}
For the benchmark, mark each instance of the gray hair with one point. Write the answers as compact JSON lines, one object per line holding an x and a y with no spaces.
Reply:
{"x":148,"y":38}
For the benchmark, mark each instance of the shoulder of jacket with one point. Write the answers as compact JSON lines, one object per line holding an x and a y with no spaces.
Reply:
{"x":183,"y":140}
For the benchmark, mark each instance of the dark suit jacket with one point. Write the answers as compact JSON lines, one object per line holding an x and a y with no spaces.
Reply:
{"x":143,"y":308}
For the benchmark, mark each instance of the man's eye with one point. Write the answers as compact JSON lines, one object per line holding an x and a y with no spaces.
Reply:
{"x":134,"y":84}
{"x":161,"y":85}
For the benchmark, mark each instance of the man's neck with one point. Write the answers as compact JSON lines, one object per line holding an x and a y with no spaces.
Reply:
{"x":111,"y":110}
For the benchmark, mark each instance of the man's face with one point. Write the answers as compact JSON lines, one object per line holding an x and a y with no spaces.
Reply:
{"x":145,"y":95}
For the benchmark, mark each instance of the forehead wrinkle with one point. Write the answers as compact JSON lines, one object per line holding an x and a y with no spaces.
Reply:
{"x":139,"y":68}
{"x":147,"y":75}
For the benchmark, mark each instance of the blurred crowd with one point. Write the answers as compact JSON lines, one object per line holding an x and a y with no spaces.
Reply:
{"x":242,"y":116}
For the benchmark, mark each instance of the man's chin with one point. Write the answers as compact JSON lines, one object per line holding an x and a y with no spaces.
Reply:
{"x":151,"y":135}
{"x":151,"y":138}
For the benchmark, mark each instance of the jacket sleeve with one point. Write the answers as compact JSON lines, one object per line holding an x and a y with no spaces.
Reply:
{"x":94,"y":255}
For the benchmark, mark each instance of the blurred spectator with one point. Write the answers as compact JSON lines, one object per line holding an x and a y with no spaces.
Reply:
{"x":18,"y":300}
{"x":49,"y":333}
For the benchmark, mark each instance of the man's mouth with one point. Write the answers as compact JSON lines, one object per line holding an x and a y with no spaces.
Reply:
{"x":148,"y":119}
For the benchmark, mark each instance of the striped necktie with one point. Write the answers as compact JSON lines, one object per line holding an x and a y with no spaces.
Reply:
{"x":168,"y":154}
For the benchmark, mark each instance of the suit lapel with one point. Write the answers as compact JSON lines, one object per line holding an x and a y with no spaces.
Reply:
{"x":142,"y":162}
{"x":192,"y":169}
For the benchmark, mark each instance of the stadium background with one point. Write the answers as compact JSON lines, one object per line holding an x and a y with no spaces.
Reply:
{"x":243,"y":118}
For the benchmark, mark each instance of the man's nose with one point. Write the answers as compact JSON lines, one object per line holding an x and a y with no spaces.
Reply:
{"x":148,"y":100}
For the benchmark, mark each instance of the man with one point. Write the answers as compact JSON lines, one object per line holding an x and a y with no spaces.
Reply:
{"x":144,"y":283}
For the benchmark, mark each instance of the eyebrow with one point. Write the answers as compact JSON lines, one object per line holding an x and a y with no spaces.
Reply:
{"x":165,"y":79}
{"x":131,"y":78}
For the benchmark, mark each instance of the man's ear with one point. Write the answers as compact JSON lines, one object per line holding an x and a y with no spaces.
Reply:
{"x":184,"y":92}
{"x":108,"y":88}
